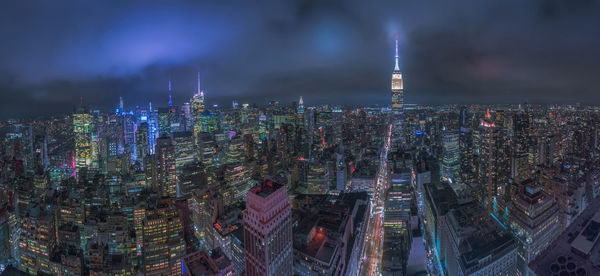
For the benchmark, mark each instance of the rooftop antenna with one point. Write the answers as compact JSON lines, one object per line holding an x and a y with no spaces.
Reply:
{"x":198,"y":83}
{"x":397,"y":67}
{"x":170,"y":101}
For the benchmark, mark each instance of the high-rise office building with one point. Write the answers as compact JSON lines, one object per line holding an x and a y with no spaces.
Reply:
{"x":82,"y":129}
{"x":129,"y":131}
{"x":153,"y":127}
{"x":397,"y":103}
{"x":175,"y":119}
{"x":463,"y":117}
{"x":318,"y":178}
{"x":467,"y":166}
{"x":268,"y":230}
{"x":166,"y":167}
{"x":534,"y":216}
{"x":36,"y":241}
{"x":186,"y":117}
{"x":520,"y":156}
{"x":493,"y":161}
{"x":164,"y":122}
{"x":396,"y":223}
{"x":197,"y":109}
{"x":163,"y":239}
{"x":210,"y":121}
{"x":450,"y":155}
{"x":142,"y":141}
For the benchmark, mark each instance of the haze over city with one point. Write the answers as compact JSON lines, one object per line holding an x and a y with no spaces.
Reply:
{"x":300,"y":138}
{"x":454,"y":52}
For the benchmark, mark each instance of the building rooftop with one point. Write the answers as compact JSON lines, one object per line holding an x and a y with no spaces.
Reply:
{"x":265,"y":188}
{"x":481,"y":236}
{"x":199,"y":263}
{"x":576,"y":251}
{"x":322,"y":222}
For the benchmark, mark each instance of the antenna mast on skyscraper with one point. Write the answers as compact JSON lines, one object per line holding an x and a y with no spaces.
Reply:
{"x":198,"y":83}
{"x":397,"y":67}
{"x":170,"y":101}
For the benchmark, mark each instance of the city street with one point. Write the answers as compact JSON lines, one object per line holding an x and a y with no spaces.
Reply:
{"x":374,"y":244}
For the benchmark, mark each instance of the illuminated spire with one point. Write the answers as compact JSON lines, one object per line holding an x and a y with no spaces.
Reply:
{"x":199,"y":91}
{"x":170,"y":102}
{"x":397,"y":67}
{"x":301,"y":102}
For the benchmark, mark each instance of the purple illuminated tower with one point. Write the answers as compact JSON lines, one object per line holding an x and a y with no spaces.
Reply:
{"x":268,"y":230}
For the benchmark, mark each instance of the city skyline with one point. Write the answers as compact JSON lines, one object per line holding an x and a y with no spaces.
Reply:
{"x":300,"y":138}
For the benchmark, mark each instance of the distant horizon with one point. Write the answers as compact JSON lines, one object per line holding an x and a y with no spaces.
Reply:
{"x":289,"y":104}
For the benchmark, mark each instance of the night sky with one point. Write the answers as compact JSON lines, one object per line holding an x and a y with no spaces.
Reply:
{"x":464,"y":51}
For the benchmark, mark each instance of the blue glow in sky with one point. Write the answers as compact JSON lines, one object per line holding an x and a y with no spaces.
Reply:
{"x":328,"y":51}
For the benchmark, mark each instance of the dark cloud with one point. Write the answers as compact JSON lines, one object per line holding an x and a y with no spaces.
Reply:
{"x":329,"y":51}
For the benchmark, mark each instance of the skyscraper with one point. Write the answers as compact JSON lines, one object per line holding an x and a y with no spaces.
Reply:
{"x":164,"y":122}
{"x":520,"y":158}
{"x":163,"y":241}
{"x":301,"y":106}
{"x":129,"y":130}
{"x":36,"y":241}
{"x":464,"y":120}
{"x":492,"y":161}
{"x":142,"y":142}
{"x":82,"y":130}
{"x":467,"y":166}
{"x":268,"y":230}
{"x":535,"y":220}
{"x":397,"y":104}
{"x":450,"y":155}
{"x":396,"y":223}
{"x":165,"y":159}
{"x":197,"y":109}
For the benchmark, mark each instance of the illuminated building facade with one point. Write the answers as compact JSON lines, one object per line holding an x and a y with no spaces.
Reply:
{"x":163,"y":240}
{"x":185,"y":149}
{"x":36,"y":242}
{"x":129,"y":133}
{"x":210,"y":121}
{"x":467,"y":166}
{"x":535,"y":217}
{"x":197,"y":108}
{"x":82,"y":130}
{"x":142,"y":141}
{"x":520,"y":157}
{"x":318,"y":178}
{"x":166,"y":167}
{"x":493,"y":161}
{"x":450,"y":155}
{"x":268,"y":231}
{"x":397,"y":104}
{"x":396,"y":224}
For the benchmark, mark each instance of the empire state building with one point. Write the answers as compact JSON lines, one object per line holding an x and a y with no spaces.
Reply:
{"x":397,"y":104}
